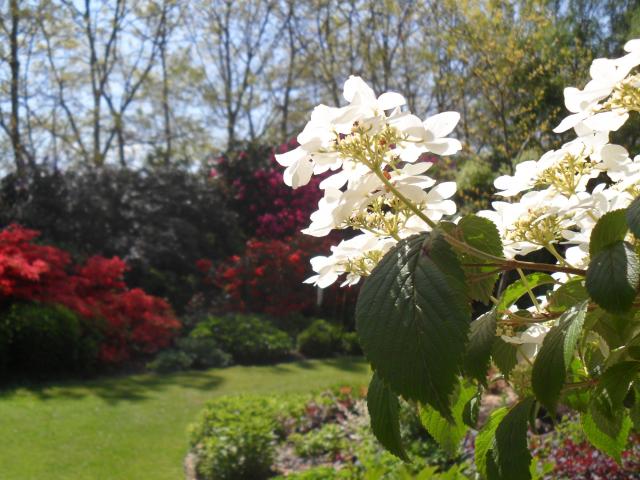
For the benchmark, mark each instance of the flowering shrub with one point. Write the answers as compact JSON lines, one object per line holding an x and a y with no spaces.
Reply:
{"x":266,"y":278}
{"x":268,"y":209}
{"x":576,"y":345}
{"x":29,"y":271}
{"x":135,"y":322}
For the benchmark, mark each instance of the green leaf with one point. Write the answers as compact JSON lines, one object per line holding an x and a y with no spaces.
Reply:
{"x":634,"y":410}
{"x":611,"y":228}
{"x":485,"y":439}
{"x":482,"y":335}
{"x":612,"y":445}
{"x":480,"y":233}
{"x":448,"y":434}
{"x":568,"y":294}
{"x":384,"y":410}
{"x":471,"y":410}
{"x":613,"y":277}
{"x":615,"y":383}
{"x":554,"y":358}
{"x":615,"y":329}
{"x":518,"y":289}
{"x":501,"y":450}
{"x":447,"y":261}
{"x":412,"y":322}
{"x":509,"y":457}
{"x":633,"y":217}
{"x":505,"y":356}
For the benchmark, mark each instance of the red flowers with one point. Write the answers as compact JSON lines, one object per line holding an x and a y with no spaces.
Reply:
{"x":133,"y":320}
{"x":268,"y":277}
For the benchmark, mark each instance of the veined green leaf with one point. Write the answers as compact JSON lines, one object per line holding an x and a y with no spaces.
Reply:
{"x":384,"y":410}
{"x":482,"y":336}
{"x":551,"y":364}
{"x":611,"y":228}
{"x":505,"y":356}
{"x":567,"y":295}
{"x":482,"y":234}
{"x":633,"y":217}
{"x":612,"y":443}
{"x":448,"y":434}
{"x":509,"y":457}
{"x":412,"y":322}
{"x":613,"y":277}
{"x":518,"y":289}
{"x":486,"y":437}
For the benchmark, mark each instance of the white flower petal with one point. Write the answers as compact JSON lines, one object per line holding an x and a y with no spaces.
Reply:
{"x":607,"y":121}
{"x":289,"y":158}
{"x":444,"y":146}
{"x":356,"y":89}
{"x":390,"y":100}
{"x":442,"y":124}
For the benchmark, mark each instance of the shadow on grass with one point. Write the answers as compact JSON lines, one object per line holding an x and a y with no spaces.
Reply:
{"x":343,"y":363}
{"x":349,"y":364}
{"x":138,"y":387}
{"x":118,"y":389}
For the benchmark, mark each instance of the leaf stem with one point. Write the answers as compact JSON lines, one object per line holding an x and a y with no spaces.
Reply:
{"x":529,"y":290}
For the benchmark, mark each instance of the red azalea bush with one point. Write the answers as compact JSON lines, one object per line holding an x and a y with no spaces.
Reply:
{"x":267,"y":278}
{"x":134,"y":322}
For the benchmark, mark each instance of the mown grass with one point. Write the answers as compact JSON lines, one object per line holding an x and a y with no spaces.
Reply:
{"x":134,"y":427}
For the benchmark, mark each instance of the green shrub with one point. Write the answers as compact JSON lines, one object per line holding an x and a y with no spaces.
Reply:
{"x":249,"y":339}
{"x":293,"y":323}
{"x":197,"y":353}
{"x":171,"y":361}
{"x":320,"y":339}
{"x":205,"y":352}
{"x":327,"y":440}
{"x":41,"y":339}
{"x":235,"y":436}
{"x":351,"y":344}
{"x":323,"y":473}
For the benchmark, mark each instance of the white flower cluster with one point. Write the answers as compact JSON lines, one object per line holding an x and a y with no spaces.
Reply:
{"x":560,"y":197}
{"x":374,"y":146}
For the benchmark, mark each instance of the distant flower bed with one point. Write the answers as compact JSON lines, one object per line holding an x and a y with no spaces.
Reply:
{"x":126,"y":322}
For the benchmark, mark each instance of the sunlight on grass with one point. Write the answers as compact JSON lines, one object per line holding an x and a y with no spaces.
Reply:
{"x":134,"y":427}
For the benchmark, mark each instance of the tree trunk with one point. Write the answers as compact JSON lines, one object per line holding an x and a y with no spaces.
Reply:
{"x":14,"y":123}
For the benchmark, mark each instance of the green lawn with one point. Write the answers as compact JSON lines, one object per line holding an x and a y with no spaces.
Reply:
{"x":134,"y":427}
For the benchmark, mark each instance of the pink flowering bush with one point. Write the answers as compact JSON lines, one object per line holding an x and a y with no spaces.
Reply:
{"x":267,"y":208}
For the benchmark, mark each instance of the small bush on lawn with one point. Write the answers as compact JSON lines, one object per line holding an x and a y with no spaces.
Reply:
{"x":39,"y":339}
{"x":204,"y":352}
{"x":171,"y":361}
{"x":248,"y":338}
{"x":235,"y":436}
{"x":351,"y":344}
{"x":320,"y":339}
{"x":196,"y":353}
